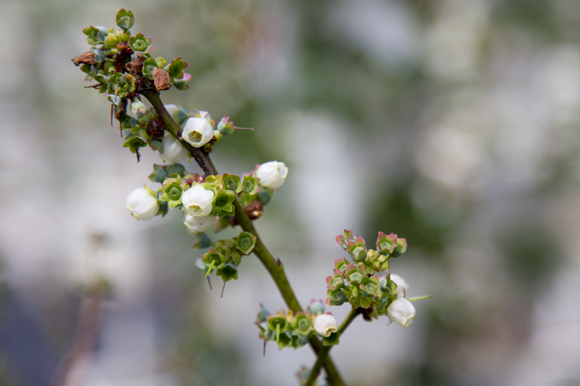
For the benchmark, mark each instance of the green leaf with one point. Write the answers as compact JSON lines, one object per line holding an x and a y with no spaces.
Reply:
{"x":331,"y":340}
{"x":176,"y":169}
{"x":203,"y":241}
{"x":159,"y":174}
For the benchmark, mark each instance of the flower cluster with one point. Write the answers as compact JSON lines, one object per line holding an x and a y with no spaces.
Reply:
{"x":206,"y":202}
{"x":356,"y":282}
{"x":225,"y":256}
{"x":288,"y":329}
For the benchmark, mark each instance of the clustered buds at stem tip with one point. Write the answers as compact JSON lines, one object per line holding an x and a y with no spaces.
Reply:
{"x":142,"y":204}
{"x":272,"y":174}
{"x":325,"y":324}
{"x":197,"y":131}
{"x":402,"y":312}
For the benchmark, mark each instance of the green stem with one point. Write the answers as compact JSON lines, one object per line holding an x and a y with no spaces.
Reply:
{"x":273,"y":266}
{"x":324,"y":353}
{"x":316,"y":368}
{"x":349,"y":318}
{"x":210,"y":268}
{"x":419,"y":298}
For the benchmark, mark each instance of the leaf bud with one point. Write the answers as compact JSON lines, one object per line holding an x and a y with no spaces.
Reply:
{"x":302,"y":324}
{"x":250,"y":185}
{"x":245,"y":242}
{"x":400,"y":248}
{"x":125,"y":19}
{"x":316,"y":307}
{"x":232,"y":180}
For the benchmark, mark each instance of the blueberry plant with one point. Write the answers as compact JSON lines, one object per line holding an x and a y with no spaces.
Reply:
{"x":121,"y":67}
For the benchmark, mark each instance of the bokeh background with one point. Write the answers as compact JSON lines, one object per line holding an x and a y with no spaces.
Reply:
{"x":453,"y":123}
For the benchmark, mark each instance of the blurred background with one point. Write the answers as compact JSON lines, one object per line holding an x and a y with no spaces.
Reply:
{"x":451,"y":123}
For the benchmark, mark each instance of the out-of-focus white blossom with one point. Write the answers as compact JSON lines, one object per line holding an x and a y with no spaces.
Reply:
{"x":142,"y":203}
{"x":172,"y":110}
{"x":272,"y":174}
{"x":401,"y":311}
{"x":198,"y":131}
{"x":325,"y":324}
{"x":197,"y":201}
{"x":173,"y":150}
{"x":198,"y":224}
{"x":402,"y":285}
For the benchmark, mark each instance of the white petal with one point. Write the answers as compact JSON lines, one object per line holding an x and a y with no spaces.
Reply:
{"x":402,"y":312}
{"x":402,"y":285}
{"x":325,"y":324}
{"x":198,"y":224}
{"x":200,"y":128}
{"x":197,"y":201}
{"x":173,"y":150}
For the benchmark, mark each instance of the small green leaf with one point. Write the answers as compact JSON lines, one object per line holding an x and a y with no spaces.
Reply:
{"x":176,"y":169}
{"x":331,"y":340}
{"x":159,"y":174}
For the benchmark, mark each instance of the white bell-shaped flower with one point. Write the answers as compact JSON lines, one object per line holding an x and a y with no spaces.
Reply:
{"x":272,"y":174}
{"x":198,"y":224}
{"x":197,"y":131}
{"x":173,"y":150}
{"x":197,"y":201}
{"x":142,"y":204}
{"x":401,"y":311}
{"x":325,"y":324}
{"x":402,"y":285}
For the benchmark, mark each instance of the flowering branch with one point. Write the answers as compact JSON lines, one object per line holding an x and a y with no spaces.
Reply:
{"x":125,"y":71}
{"x":273,"y":266}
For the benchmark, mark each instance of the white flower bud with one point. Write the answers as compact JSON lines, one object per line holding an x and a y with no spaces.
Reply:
{"x":401,"y":311}
{"x":142,"y":204}
{"x":402,"y":285}
{"x":325,"y":324}
{"x":172,"y":109}
{"x":272,"y":174}
{"x":173,"y":150}
{"x":197,"y":201}
{"x":197,"y":131}
{"x":198,"y":224}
